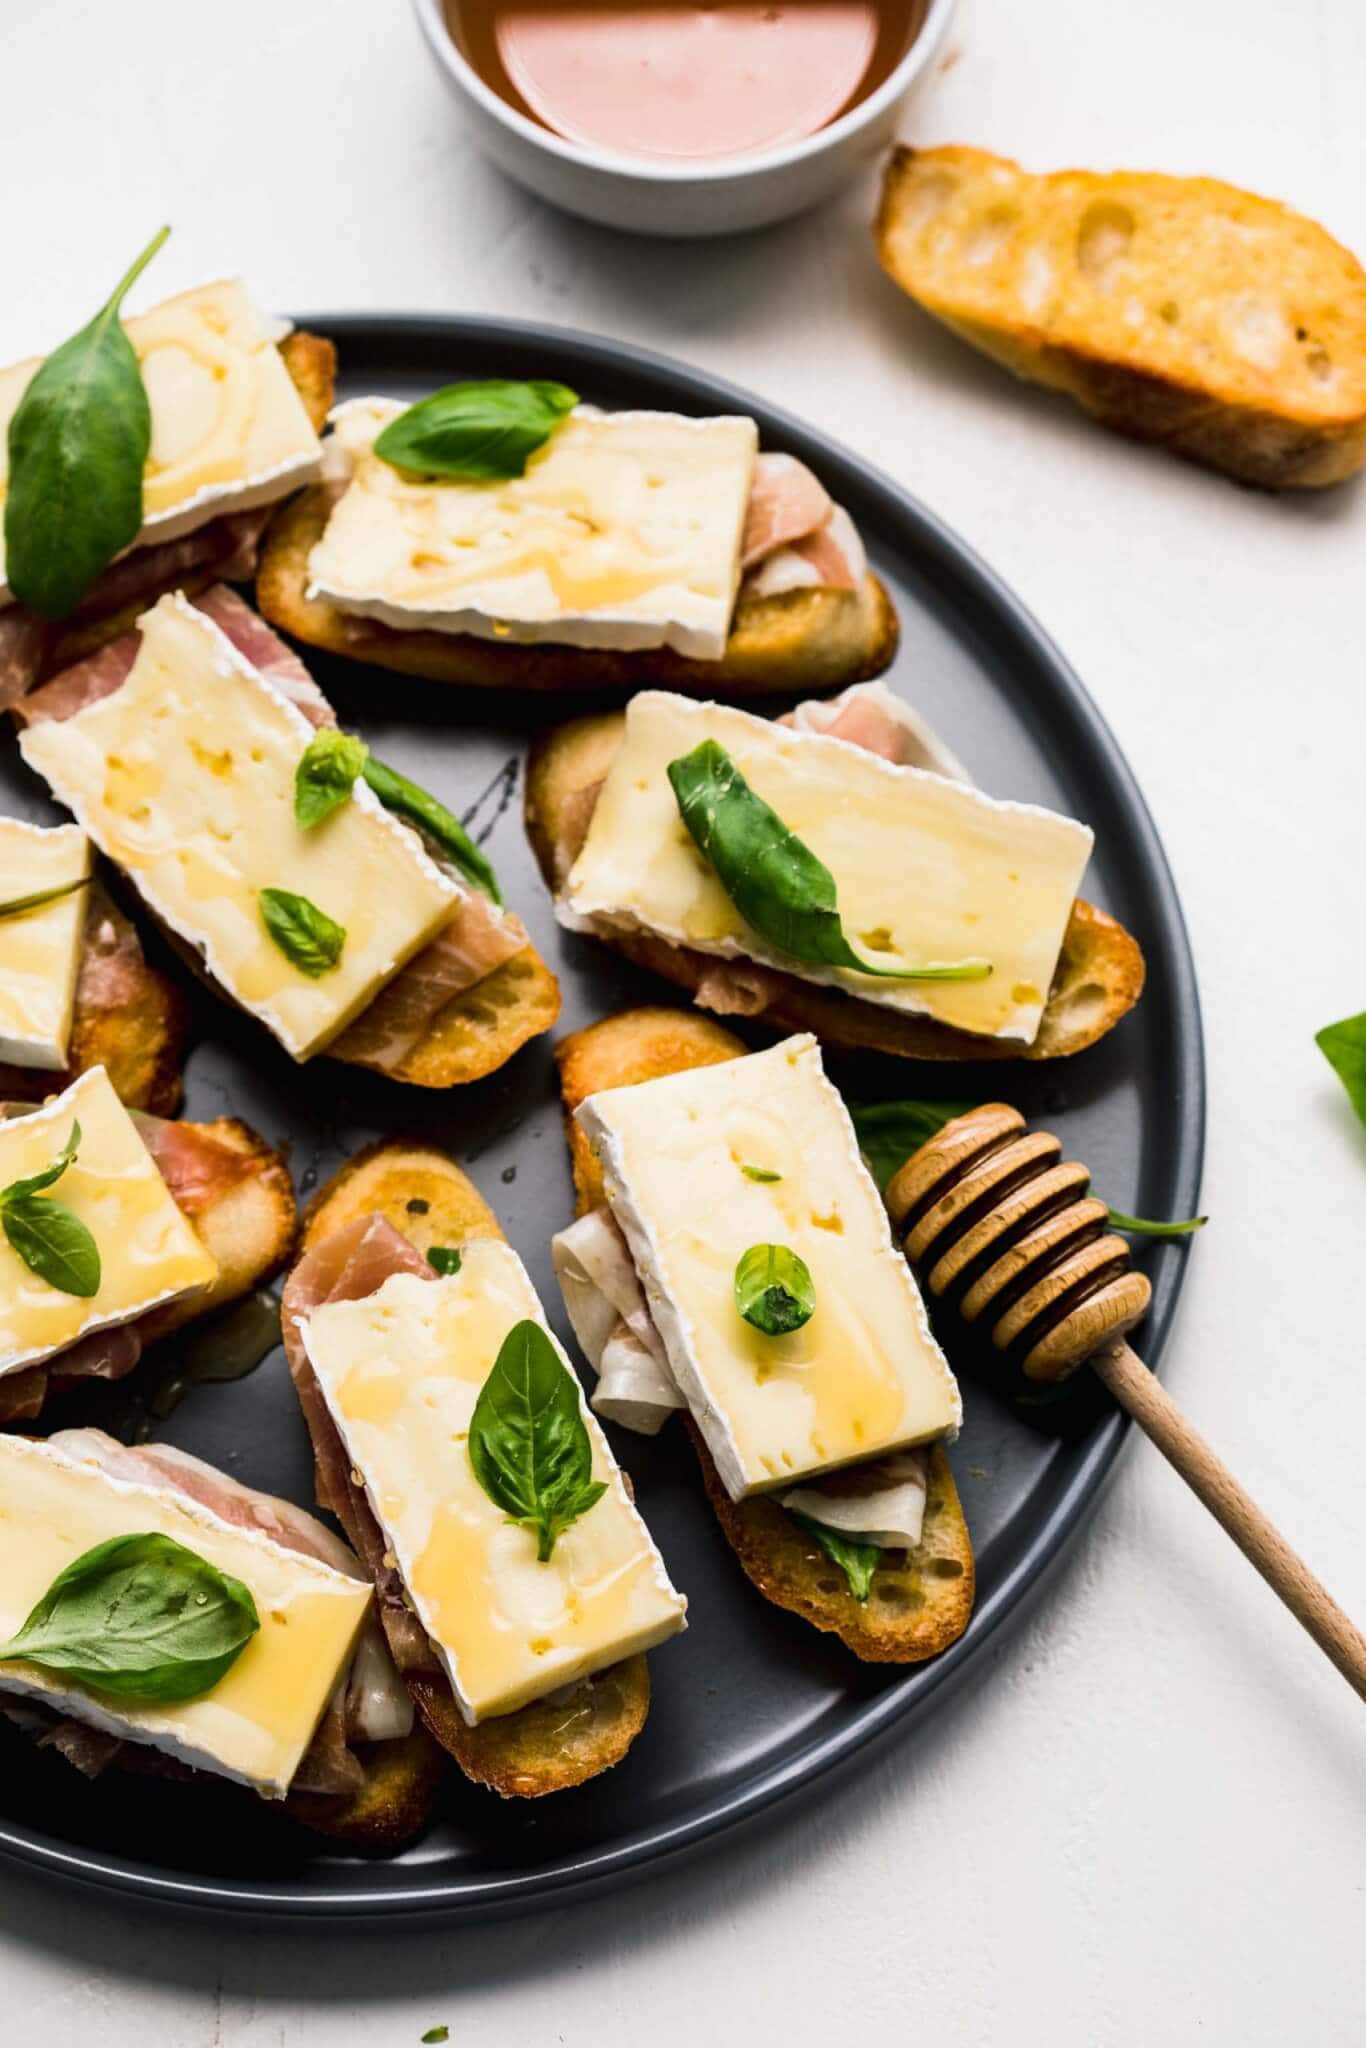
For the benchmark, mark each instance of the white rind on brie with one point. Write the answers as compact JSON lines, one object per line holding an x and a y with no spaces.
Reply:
{"x":149,"y":1250}
{"x":401,"y":1371}
{"x":40,"y":950}
{"x":229,"y":430}
{"x":927,"y":870}
{"x":256,"y":1723}
{"x":184,"y":777}
{"x":624,"y":532}
{"x":865,"y":1375}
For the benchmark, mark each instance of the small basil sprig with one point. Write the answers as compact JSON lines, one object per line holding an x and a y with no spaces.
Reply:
{"x":1143,"y":1226}
{"x":1344,"y":1047}
{"x":858,"y":1561}
{"x":759,"y":1173}
{"x":528,"y":1445}
{"x":141,"y":1617}
{"x":780,"y":888}
{"x":78,"y":443}
{"x":50,"y":1239}
{"x":307,"y":936}
{"x":476,"y":433}
{"x":444,"y":1259}
{"x":326,"y":775}
{"x":18,"y":905}
{"x":774,"y":1291}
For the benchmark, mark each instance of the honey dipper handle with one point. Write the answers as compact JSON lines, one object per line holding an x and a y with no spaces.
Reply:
{"x":1312,"y":1605}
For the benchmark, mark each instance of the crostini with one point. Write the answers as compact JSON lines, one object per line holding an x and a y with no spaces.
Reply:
{"x":617,"y":549}
{"x":235,"y":1638}
{"x":962,"y":935}
{"x":226,"y":405}
{"x":518,"y":1612}
{"x":174,"y":1221}
{"x":329,"y":897}
{"x":816,"y":1398}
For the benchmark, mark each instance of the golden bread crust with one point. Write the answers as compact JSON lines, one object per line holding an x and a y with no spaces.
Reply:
{"x":1182,"y":311}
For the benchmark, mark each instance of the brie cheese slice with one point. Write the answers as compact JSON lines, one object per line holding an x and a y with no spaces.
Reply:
{"x":184,"y":777}
{"x":40,"y":950}
{"x":864,"y":1375}
{"x":926,"y":870}
{"x":229,"y":430}
{"x":256,"y":1723}
{"x":149,"y":1251}
{"x":624,"y":532}
{"x":400,"y":1371}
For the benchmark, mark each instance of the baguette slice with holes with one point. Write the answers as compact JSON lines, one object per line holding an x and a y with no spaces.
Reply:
{"x":921,"y":1600}
{"x":549,"y":1745}
{"x":1099,"y":976}
{"x":1177,"y":310}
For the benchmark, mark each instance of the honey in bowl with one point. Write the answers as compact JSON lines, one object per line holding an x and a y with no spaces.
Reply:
{"x":671,"y":82}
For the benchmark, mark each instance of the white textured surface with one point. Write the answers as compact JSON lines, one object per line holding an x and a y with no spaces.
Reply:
{"x":1148,"y":1822}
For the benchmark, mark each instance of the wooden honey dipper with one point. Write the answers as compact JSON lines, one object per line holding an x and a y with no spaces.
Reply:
{"x":1001,"y":1231}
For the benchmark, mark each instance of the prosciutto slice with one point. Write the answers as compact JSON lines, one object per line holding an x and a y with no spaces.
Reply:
{"x":348,"y":1266}
{"x":478,"y":938}
{"x":795,"y":536}
{"x":227,"y":547}
{"x":197,"y":1167}
{"x":871,"y":716}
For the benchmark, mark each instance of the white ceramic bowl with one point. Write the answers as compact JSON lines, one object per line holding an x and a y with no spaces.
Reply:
{"x":716,"y":197}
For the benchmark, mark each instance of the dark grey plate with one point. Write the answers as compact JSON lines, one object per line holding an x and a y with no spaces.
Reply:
{"x":750,"y":1706}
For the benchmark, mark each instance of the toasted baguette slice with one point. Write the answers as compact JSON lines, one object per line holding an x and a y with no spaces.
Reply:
{"x":803,"y":640}
{"x":132,"y":1025}
{"x":1099,"y":976}
{"x":1177,"y":310}
{"x":312,"y":364}
{"x":402,"y":1779}
{"x":547,"y":1746}
{"x":921,"y":1601}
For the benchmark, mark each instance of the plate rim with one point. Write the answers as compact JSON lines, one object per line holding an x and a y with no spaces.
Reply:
{"x":873,"y":1723}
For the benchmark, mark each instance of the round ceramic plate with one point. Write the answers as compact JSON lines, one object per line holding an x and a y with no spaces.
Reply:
{"x":751,"y":1706}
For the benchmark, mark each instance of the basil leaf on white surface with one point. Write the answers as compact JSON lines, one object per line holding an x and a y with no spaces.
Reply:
{"x":309,"y":939}
{"x":141,"y":1617}
{"x":759,"y":1173}
{"x":528,"y":1443}
{"x":1344,"y":1047}
{"x":780,"y":888}
{"x":481,"y":432}
{"x":78,"y":444}
{"x":774,"y":1291}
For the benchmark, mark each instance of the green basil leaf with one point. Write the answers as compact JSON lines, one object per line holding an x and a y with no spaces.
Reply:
{"x":19,"y":1190}
{"x":858,"y":1561}
{"x":1141,"y":1226}
{"x":781,"y":890}
{"x":403,"y":797}
{"x":528,"y":1444}
{"x":760,"y":1173}
{"x":443,"y":1259}
{"x":141,"y":1617}
{"x":53,"y":1243}
{"x":437,"y":2034}
{"x":305,"y":935}
{"x":78,"y":443}
{"x":17,"y":905}
{"x":774,"y":1291}
{"x":889,"y":1132}
{"x":476,"y":433}
{"x":323,"y":779}
{"x":1344,"y":1047}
